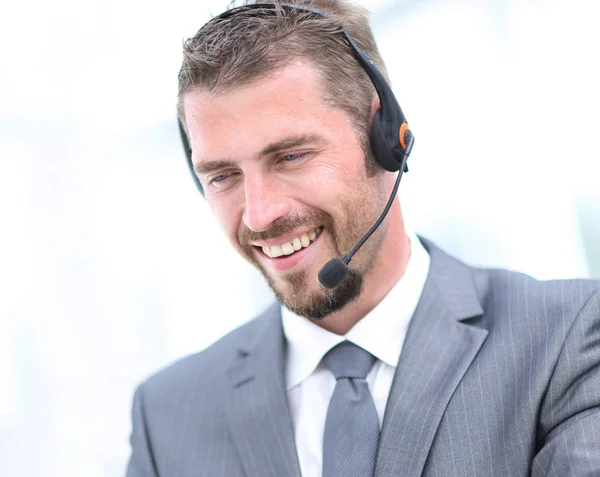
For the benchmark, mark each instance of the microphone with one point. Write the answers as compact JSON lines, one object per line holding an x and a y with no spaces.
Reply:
{"x":335,"y":270}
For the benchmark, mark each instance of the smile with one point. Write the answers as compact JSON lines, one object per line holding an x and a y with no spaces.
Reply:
{"x":288,"y":248}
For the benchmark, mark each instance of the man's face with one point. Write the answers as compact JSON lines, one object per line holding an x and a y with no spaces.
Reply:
{"x":285,"y":176}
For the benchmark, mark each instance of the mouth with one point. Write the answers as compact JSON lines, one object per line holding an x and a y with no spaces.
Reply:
{"x":292,"y":245}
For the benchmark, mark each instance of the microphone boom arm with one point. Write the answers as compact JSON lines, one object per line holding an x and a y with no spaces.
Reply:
{"x":348,"y":257}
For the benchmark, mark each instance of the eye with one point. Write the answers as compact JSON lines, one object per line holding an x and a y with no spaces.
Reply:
{"x":220,"y":180}
{"x":293,"y":157}
{"x":220,"y":177}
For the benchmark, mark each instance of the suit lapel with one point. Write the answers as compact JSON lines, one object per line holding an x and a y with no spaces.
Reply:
{"x":438,"y":350}
{"x":257,"y":407}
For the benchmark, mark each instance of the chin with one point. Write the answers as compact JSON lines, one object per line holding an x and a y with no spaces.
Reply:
{"x":307,"y":297}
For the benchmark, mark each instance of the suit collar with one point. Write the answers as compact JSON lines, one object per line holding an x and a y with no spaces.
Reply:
{"x":438,"y":351}
{"x":257,"y":407}
{"x":455,"y":283}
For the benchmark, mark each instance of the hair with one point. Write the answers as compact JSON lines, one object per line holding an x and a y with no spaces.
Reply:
{"x":249,"y":45}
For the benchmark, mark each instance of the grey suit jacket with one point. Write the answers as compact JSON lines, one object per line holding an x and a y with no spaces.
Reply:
{"x":499,"y":376}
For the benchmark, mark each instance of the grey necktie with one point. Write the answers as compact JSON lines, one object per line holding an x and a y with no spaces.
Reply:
{"x":352,"y":426}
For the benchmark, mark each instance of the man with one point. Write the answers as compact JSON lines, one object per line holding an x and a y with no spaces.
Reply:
{"x":463,"y":371}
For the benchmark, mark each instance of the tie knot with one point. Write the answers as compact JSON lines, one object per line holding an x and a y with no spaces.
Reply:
{"x":348,"y":360}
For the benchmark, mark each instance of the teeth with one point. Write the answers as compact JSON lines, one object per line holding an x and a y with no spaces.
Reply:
{"x":289,"y":248}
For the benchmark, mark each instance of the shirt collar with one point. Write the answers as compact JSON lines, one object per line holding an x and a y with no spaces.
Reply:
{"x":381,"y":332}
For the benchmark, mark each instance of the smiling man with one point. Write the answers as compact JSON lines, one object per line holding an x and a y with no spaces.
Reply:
{"x":414,"y":363}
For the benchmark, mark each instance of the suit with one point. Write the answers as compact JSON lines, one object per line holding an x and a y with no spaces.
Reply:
{"x":499,"y":376}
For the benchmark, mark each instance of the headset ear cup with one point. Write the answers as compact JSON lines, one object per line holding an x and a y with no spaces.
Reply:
{"x":381,"y":148}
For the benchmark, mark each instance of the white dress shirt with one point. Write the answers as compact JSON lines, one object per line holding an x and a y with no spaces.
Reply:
{"x":381,"y":332}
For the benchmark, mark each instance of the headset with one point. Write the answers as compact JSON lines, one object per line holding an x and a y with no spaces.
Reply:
{"x":391,"y":139}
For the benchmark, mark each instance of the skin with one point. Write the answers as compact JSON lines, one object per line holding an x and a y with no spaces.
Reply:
{"x":275,"y":161}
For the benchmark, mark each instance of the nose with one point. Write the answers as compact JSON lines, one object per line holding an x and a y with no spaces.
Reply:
{"x":264,"y":203}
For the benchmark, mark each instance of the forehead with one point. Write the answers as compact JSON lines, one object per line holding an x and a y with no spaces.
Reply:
{"x":288,"y":98}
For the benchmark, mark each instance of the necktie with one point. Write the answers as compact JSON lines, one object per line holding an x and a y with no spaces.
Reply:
{"x":352,"y":426}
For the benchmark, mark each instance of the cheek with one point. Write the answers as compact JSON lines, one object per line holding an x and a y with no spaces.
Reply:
{"x":343,"y":187}
{"x":325,"y":185}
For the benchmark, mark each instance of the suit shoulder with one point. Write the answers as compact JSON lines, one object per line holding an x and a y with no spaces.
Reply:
{"x":505,"y":294}
{"x":523,"y":293}
{"x":501,"y":289}
{"x":209,"y":365}
{"x":554,"y":289}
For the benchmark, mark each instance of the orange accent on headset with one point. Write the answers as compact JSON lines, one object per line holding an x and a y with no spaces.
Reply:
{"x":403,"y":130}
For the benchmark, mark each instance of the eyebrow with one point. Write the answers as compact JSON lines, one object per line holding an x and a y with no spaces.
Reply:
{"x":207,"y":167}
{"x":289,"y":143}
{"x":211,"y":166}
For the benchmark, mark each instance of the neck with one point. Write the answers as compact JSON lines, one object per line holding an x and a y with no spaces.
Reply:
{"x":388,"y":267}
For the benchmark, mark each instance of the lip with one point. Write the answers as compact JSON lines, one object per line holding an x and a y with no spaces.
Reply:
{"x":282,"y":238}
{"x":288,"y":262}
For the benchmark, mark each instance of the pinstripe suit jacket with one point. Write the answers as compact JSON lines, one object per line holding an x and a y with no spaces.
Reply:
{"x":499,"y":376}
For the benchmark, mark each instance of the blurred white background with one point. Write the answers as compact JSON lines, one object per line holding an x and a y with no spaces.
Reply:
{"x":111,"y":264}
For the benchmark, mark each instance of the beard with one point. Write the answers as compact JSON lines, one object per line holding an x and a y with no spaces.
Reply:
{"x":301,"y":292}
{"x":317,"y":305}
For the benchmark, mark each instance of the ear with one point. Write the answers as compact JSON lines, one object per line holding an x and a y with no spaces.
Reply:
{"x":375,"y":105}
